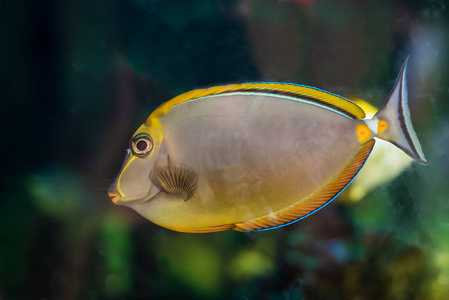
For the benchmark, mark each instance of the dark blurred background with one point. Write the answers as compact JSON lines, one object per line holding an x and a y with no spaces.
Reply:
{"x":77,"y":78}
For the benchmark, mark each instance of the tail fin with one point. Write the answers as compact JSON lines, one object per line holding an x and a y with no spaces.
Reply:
{"x":397,"y":127}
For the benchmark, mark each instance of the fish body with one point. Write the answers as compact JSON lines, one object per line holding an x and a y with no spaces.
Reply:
{"x":253,"y":156}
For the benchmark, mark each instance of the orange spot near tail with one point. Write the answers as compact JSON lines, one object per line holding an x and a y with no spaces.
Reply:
{"x":381,"y":126}
{"x":363,"y":132}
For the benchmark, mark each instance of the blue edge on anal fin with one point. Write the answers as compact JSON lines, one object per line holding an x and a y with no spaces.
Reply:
{"x":312,"y":212}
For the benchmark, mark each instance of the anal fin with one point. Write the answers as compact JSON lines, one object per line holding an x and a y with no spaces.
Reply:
{"x":315,"y":201}
{"x":205,"y":229}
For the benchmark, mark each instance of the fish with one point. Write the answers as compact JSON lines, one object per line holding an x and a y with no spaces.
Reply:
{"x":254,"y":156}
{"x":385,"y":163}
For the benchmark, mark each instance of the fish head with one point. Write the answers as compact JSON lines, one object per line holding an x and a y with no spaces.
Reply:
{"x":133,"y":184}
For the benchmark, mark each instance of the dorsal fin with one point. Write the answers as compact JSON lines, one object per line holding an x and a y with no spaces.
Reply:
{"x":301,"y":92}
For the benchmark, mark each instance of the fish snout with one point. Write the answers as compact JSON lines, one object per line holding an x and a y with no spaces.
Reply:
{"x":114,"y":193}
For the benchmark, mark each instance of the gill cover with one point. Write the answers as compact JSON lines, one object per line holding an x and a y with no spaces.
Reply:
{"x":133,"y":181}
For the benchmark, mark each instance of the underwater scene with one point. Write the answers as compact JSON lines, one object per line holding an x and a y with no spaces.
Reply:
{"x":224,"y":149}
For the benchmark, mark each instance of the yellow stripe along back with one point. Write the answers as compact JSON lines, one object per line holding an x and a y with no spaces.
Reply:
{"x":312,"y":94}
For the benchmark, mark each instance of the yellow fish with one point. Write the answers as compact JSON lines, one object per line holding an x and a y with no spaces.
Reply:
{"x":253,"y":156}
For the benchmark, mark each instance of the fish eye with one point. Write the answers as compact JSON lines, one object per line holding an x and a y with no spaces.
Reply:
{"x":141,"y":145}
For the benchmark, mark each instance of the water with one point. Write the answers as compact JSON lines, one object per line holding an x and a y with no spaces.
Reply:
{"x":77,"y":79}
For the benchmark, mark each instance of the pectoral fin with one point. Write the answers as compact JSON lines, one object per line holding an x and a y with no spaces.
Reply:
{"x":176,"y":179}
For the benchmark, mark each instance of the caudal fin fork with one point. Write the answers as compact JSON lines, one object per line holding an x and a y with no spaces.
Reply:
{"x":396,"y":115}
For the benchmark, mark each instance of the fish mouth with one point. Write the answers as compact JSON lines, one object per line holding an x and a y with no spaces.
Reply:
{"x":115,"y":198}
{"x":114,"y":194}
